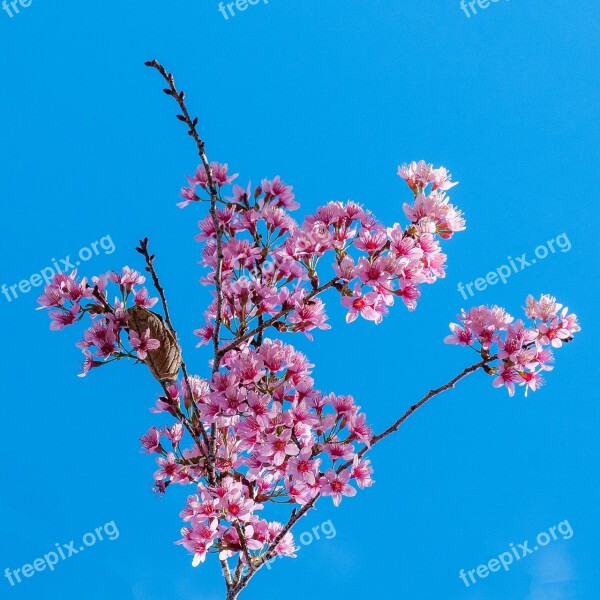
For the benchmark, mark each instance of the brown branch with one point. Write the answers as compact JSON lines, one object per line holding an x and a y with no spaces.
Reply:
{"x":102,"y":299}
{"x":244,"y":545}
{"x":143,"y":250}
{"x":270,"y":553}
{"x":238,"y":572}
{"x":212,"y":189}
{"x":394,"y":427}
{"x":226,"y":572}
{"x":149,"y":258}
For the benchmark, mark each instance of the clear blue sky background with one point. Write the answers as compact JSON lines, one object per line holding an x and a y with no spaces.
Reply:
{"x":332,"y":96}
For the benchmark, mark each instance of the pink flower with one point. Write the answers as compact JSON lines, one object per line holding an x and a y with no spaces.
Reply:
{"x":142,"y":344}
{"x":410,"y":294}
{"x":508,"y":376}
{"x":371,"y":242}
{"x":361,"y":472}
{"x":278,"y":447}
{"x":557,"y":331}
{"x":338,"y":450}
{"x":219,"y":175}
{"x":441,"y":179}
{"x":127,"y":279}
{"x":303,"y":468}
{"x":168,"y":467}
{"x":281,"y":192}
{"x":416,"y":175}
{"x":88,"y":363}
{"x":188,"y":193}
{"x":286,"y":546}
{"x":309,"y":315}
{"x":336,"y":485}
{"x":545,"y":308}
{"x":460,"y":335}
{"x":367,"y":306}
{"x":532,"y":381}
{"x":372,"y":273}
{"x":199,"y":540}
{"x":174,"y":434}
{"x":141,"y":298}
{"x":62,"y":318}
{"x":151,"y":441}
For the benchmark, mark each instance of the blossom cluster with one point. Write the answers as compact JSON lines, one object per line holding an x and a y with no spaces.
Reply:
{"x":279,"y":440}
{"x":270,"y":262}
{"x":70,"y":299}
{"x":523,"y":351}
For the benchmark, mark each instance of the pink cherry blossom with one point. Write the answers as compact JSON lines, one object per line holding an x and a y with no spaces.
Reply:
{"x":143,"y":343}
{"x":151,"y":441}
{"x":336,"y":485}
{"x":369,"y":306}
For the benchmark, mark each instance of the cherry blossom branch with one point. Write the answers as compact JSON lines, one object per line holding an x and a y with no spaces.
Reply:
{"x":296,"y":516}
{"x":238,"y":419}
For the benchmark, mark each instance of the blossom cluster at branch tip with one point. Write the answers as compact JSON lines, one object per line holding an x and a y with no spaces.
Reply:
{"x":273,"y":266}
{"x":522,"y":351}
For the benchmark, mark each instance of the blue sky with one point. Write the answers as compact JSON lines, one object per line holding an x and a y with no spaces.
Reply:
{"x":331,"y":96}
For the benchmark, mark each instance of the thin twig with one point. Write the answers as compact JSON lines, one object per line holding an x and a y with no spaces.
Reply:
{"x":143,"y":250}
{"x":238,"y":571}
{"x":226,"y":573}
{"x":149,"y":258}
{"x":394,"y":427}
{"x":244,"y":545}
{"x":212,"y":190}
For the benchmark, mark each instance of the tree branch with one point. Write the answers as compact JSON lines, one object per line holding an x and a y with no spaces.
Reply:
{"x":143,"y":250}
{"x":270,"y":553}
{"x":394,"y":427}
